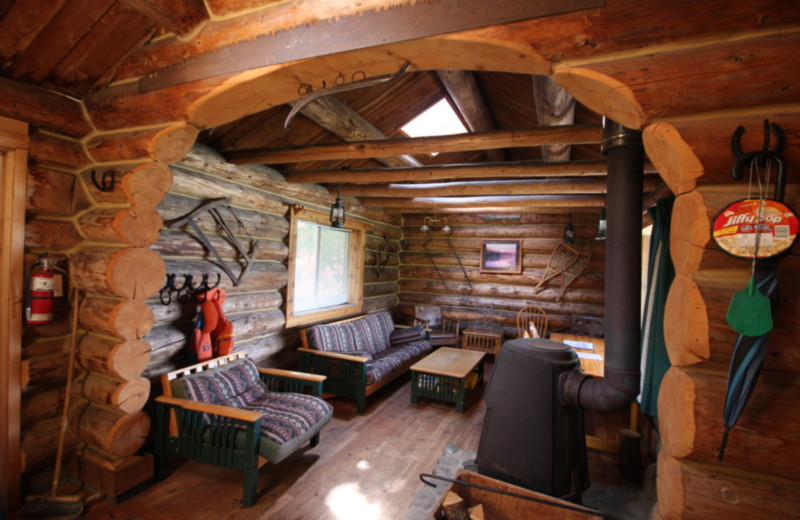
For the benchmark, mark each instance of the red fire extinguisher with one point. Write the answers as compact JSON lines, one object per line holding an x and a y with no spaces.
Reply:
{"x":41,"y":291}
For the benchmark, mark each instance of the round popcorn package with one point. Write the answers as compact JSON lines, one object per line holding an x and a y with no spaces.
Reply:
{"x":734,"y":228}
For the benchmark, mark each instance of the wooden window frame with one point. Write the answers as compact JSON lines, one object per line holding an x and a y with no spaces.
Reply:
{"x":355,"y":291}
{"x":13,"y":179}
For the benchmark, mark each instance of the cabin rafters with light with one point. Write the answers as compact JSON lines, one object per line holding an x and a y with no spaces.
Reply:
{"x":186,"y":100}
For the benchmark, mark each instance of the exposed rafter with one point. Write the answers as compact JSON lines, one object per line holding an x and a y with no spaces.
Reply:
{"x":573,"y":134}
{"x":339,"y":119}
{"x":463,"y":90}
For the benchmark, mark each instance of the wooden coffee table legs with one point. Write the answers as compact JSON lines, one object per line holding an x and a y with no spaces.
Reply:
{"x":442,"y":387}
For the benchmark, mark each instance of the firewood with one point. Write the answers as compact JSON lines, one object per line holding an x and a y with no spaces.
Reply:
{"x":476,"y":512}
{"x":454,"y":507}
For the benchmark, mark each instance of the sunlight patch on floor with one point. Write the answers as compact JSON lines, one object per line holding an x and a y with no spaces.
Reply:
{"x":347,"y":502}
{"x":364,"y":464}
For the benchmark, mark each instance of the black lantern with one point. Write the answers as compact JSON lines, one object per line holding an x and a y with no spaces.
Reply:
{"x":337,"y":211}
{"x":569,"y":232}
{"x":601,"y":226}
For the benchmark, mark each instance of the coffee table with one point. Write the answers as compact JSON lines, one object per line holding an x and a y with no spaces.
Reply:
{"x":443,"y":374}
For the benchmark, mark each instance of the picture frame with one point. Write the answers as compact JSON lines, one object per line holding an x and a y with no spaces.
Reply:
{"x":501,"y":256}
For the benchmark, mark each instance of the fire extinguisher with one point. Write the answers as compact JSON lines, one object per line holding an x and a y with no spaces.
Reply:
{"x":41,"y":291}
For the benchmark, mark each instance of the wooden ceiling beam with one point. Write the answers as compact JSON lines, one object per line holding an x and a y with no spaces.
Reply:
{"x":179,"y":17}
{"x":344,"y":122}
{"x":487,"y":188}
{"x":444,"y":172}
{"x":573,"y":134}
{"x":463,"y":90}
{"x":492,"y":209}
{"x":542,"y":201}
{"x":519,"y":170}
{"x":554,"y":106}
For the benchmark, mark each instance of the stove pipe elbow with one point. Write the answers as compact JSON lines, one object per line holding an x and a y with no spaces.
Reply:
{"x":621,"y":379}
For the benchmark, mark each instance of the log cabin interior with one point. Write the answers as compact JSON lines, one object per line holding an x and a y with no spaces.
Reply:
{"x":119,"y":118}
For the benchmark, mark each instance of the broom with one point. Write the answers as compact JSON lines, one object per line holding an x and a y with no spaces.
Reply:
{"x":52,"y":505}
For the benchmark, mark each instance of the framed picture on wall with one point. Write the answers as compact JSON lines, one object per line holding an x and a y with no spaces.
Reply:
{"x":501,"y":256}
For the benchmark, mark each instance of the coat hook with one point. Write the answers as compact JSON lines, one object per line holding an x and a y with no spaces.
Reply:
{"x":108,"y":181}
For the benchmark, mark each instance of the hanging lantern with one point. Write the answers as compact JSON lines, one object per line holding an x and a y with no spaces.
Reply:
{"x":337,"y":211}
{"x":601,"y":226}
{"x":569,"y":232}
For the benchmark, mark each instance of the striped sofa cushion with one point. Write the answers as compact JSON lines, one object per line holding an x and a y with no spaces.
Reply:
{"x":367,"y":334}
{"x":389,"y":360}
{"x":286,"y":415}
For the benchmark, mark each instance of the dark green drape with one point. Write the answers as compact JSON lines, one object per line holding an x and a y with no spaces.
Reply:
{"x":655,"y":361}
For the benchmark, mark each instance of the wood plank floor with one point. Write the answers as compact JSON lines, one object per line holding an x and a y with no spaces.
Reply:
{"x":365,"y":467}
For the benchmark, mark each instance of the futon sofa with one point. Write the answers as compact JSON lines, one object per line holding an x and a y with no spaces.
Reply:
{"x":230,"y":413}
{"x":360,"y":355}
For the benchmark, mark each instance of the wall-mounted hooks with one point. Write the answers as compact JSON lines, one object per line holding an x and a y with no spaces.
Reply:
{"x":187,"y":291}
{"x":107,"y":182}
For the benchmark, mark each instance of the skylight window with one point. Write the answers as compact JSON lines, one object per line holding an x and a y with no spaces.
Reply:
{"x":437,"y":119}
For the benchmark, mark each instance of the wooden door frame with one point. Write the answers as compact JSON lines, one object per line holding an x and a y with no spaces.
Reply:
{"x":13,"y":177}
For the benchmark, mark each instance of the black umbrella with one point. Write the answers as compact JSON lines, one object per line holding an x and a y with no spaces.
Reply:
{"x":749,"y":351}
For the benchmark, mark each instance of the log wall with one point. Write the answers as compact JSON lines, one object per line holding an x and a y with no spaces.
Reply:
{"x":759,"y":475}
{"x":430,"y":273}
{"x":261,"y":200}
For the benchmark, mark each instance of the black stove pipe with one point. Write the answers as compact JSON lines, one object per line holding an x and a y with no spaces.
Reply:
{"x":620,"y":383}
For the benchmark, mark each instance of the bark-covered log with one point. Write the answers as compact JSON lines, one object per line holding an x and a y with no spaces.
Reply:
{"x":136,"y":226}
{"x":46,"y":368}
{"x":51,"y":235}
{"x":50,"y":192}
{"x":262,"y":276}
{"x":234,"y":303}
{"x":45,"y":404}
{"x":174,"y":242}
{"x":112,"y":431}
{"x":487,"y":302}
{"x":40,"y":441}
{"x":242,"y":222}
{"x":48,"y":149}
{"x":164,"y":144}
{"x":133,"y":273}
{"x":124,"y":359}
{"x":126,"y":319}
{"x":690,"y":406}
{"x":517,"y":292}
{"x":379,"y":303}
{"x":125,"y":396}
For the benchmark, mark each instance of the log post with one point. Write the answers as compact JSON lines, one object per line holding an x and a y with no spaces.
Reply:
{"x":125,"y":359}
{"x":126,"y":319}
{"x":134,"y":273}
{"x":112,"y":431}
{"x":165,"y":145}
{"x":125,"y":396}
{"x":765,"y":436}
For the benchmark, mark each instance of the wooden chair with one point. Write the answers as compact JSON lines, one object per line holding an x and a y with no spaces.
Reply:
{"x":443,"y":332}
{"x":230,"y":436}
{"x":532,"y":322}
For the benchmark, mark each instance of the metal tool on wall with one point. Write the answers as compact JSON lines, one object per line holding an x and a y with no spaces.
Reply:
{"x":763,"y":231}
{"x":212,"y":207}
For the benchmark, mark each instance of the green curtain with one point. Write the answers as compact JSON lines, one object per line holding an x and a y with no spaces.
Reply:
{"x":655,"y":361}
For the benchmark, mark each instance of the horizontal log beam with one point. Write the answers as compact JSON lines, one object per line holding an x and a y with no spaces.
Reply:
{"x":484,"y":188}
{"x":515,"y":201}
{"x":573,"y":134}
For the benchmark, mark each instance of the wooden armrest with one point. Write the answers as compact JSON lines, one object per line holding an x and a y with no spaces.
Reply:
{"x":335,"y":355}
{"x":215,"y":409}
{"x":294,"y":375}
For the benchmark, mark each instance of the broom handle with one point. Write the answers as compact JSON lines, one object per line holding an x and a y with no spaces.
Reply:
{"x":70,"y":370}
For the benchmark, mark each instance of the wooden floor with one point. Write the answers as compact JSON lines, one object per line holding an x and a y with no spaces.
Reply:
{"x":365,"y":467}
